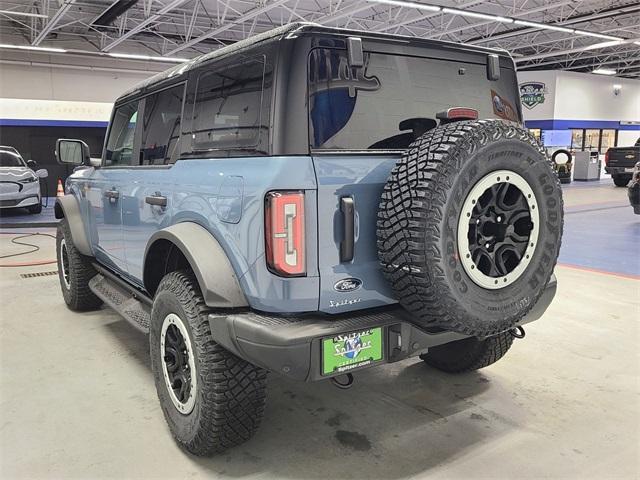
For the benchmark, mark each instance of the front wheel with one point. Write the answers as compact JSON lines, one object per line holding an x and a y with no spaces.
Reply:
{"x":35,"y":209}
{"x":74,"y":271}
{"x":468,"y":354}
{"x":621,"y":180}
{"x":211,"y":399}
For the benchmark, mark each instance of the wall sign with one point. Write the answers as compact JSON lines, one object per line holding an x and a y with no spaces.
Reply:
{"x":532,"y":94}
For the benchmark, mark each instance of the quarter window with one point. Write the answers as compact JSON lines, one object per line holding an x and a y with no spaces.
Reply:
{"x":228,"y":111}
{"x":121,"y":135}
{"x":161,"y":127}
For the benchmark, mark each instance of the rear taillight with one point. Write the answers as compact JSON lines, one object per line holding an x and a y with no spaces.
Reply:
{"x":284,"y":232}
{"x":606,"y":157}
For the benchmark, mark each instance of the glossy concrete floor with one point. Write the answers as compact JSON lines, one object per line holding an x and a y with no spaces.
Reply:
{"x":77,"y":398}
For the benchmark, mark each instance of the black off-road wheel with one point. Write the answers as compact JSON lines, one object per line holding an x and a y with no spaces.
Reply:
{"x":74,"y":272}
{"x":211,"y":399}
{"x":621,"y":180}
{"x":469,"y":226}
{"x":469,"y":354}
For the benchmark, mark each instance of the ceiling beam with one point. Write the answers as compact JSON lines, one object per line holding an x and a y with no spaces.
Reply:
{"x":50,"y":25}
{"x":229,"y":23}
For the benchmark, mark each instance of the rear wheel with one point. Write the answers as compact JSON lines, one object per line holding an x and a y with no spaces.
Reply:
{"x":468,"y":354}
{"x":621,"y":180}
{"x":211,"y":399}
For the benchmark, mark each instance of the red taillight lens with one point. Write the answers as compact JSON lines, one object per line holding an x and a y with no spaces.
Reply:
{"x":284,"y":232}
{"x":606,"y":157}
{"x":458,"y":113}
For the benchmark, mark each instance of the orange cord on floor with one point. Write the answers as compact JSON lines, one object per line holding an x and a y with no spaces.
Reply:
{"x":34,"y":248}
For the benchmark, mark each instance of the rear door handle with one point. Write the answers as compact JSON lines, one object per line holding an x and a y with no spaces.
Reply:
{"x":157,"y":200}
{"x":348,"y":227}
{"x":113,"y":194}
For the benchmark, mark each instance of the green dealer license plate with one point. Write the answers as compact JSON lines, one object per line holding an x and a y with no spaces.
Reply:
{"x":347,"y":351}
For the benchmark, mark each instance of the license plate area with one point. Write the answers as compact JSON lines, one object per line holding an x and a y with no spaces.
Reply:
{"x":349,"y":351}
{"x":629,"y":170}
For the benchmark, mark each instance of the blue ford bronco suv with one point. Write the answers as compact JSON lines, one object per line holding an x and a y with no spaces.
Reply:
{"x":311,"y":201}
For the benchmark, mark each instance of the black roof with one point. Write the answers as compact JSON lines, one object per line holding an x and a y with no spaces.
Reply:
{"x":293,"y":30}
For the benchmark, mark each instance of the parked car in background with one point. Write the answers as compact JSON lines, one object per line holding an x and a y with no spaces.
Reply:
{"x":619,"y":162}
{"x":19,"y":183}
{"x":633,"y":189}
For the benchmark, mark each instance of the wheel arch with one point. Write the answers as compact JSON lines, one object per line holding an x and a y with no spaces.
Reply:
{"x":69,"y":208}
{"x":188,"y":244}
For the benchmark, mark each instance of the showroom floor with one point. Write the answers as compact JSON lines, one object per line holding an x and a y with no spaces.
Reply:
{"x":78,"y":400}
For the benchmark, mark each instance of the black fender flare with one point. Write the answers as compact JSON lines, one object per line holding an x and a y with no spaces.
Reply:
{"x":211,"y":266}
{"x":68,"y":207}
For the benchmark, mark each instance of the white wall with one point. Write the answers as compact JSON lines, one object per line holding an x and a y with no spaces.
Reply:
{"x":583,"y":96}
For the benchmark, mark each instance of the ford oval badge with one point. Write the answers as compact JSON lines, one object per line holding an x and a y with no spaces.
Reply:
{"x":347,"y":285}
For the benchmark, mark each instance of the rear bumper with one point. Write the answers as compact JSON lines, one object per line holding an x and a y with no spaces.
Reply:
{"x":619,"y":170}
{"x":291,"y":346}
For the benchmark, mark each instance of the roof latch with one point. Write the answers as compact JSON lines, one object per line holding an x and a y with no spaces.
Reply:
{"x":354,"y":52}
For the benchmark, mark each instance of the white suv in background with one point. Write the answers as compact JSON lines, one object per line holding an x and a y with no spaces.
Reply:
{"x":19,"y":184}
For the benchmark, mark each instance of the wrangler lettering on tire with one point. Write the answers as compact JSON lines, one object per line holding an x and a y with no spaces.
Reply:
{"x":469,"y":226}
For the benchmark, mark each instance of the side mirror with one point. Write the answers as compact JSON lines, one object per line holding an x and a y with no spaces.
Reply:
{"x":42,"y":173}
{"x":32,"y":165}
{"x":72,"y":152}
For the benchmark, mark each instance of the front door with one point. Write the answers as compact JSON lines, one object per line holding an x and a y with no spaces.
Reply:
{"x":106,"y":187}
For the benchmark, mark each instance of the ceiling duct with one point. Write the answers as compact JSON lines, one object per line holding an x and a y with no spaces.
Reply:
{"x":114,"y":11}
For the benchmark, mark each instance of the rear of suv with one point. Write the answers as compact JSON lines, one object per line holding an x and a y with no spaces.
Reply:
{"x":311,"y":202}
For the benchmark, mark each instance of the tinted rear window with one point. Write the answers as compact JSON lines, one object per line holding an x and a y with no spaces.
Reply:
{"x":393,"y":99}
{"x":230,"y":111}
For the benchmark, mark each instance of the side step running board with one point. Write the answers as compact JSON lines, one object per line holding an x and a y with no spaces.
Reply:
{"x":122,"y":301}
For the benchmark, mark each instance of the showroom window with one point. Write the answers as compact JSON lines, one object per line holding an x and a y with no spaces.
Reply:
{"x":121,"y":135}
{"x":536,"y":133}
{"x":229,"y":112}
{"x":161,"y":126}
{"x":607,"y":140}
{"x":577,"y":139}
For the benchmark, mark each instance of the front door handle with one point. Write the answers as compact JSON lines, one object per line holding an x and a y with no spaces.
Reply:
{"x":112,"y":194}
{"x":157,"y":200}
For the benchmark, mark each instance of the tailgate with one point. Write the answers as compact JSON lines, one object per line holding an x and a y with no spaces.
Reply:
{"x":358,"y":283}
{"x":623,"y":157}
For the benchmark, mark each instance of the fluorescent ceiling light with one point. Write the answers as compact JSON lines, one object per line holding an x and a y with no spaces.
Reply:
{"x":597,"y":35}
{"x":31,"y":47}
{"x":636,"y":43}
{"x":132,"y":56}
{"x":544,"y":26}
{"x":596,"y":46}
{"x":604,"y":71}
{"x":484,"y":16}
{"x":23,"y":14}
{"x":400,"y":3}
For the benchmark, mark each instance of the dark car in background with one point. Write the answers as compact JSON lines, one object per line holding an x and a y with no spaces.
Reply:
{"x":620,"y":161}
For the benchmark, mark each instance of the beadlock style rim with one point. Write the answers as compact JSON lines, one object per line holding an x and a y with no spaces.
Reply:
{"x":178,"y":367}
{"x":498,"y":229}
{"x":64,"y":264}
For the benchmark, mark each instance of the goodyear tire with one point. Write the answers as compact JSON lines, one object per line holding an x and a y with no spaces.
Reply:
{"x":469,"y":226}
{"x":74,"y":272}
{"x":211,"y":399}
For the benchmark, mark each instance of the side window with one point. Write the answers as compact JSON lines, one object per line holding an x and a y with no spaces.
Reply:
{"x":161,"y":127}
{"x":228,"y":112}
{"x":121,"y":135}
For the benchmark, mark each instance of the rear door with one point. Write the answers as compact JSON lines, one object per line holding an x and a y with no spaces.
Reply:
{"x":148,"y":195}
{"x":361,"y":120}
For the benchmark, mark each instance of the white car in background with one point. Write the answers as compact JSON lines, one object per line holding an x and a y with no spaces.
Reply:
{"x":19,"y":184}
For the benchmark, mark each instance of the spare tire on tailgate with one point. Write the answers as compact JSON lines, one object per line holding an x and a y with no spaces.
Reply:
{"x":469,"y":226}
